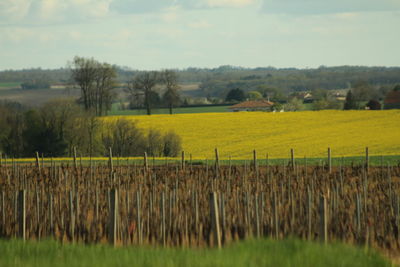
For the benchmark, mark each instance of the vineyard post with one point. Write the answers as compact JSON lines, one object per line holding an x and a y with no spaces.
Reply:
{"x":323,"y":214}
{"x":146,"y":166}
{"x":37,"y":160}
{"x":139,"y":224}
{"x":255,"y":162}
{"x":214,"y":219}
{"x":113,"y":217}
{"x":110,"y":161}
{"x":257,"y":216}
{"x":292,"y":158}
{"x":309,"y":212}
{"x":183,"y":160}
{"x":276,"y":219}
{"x":216,"y":162}
{"x":163,"y":219}
{"x":329,"y":160}
{"x":21,"y":214}
{"x":222,"y":211}
{"x":230,"y":167}
{"x":358,"y":213}
{"x":72,"y":216}
{"x":75,"y":163}
{"x":367,"y":159}
{"x":51,"y":214}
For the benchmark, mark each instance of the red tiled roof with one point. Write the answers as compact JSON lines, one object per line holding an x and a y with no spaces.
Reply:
{"x":253,"y":104}
{"x":393,"y":97}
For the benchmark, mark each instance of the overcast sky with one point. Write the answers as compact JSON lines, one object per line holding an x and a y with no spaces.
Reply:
{"x":156,"y":34}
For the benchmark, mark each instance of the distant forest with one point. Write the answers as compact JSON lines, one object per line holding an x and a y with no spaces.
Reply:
{"x":217,"y":82}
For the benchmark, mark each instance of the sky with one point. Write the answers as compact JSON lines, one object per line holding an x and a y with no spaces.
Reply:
{"x":160,"y":34}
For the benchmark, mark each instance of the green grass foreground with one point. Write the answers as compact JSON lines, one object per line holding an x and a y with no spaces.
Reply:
{"x":248,"y":253}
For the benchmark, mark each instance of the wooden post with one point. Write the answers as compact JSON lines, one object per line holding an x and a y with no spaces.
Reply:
{"x":110,"y":161}
{"x":163,"y":230}
{"x":255,"y":161}
{"x":37,"y":160}
{"x":323,"y":213}
{"x":72,"y":216}
{"x":21,"y":215}
{"x":292,"y":158}
{"x":216,"y":162}
{"x":367,"y":159}
{"x":214,"y":219}
{"x":113,"y":217}
{"x":309,"y":213}
{"x":183,"y":161}
{"x":257,"y":216}
{"x":329,"y":160}
{"x":146,"y":165}
{"x":139,"y":223}
{"x":75,"y":163}
{"x":276,"y":219}
{"x":51,"y":214}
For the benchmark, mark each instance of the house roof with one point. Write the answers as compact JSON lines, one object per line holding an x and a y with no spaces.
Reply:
{"x":393,"y":97}
{"x":253,"y":104}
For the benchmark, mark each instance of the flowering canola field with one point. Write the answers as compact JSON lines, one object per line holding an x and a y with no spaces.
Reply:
{"x":310,"y":133}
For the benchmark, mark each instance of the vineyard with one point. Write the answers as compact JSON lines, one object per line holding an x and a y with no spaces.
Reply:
{"x":200,"y":206}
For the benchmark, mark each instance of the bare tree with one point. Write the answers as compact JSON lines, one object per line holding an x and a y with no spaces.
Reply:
{"x":97,"y":82}
{"x":143,"y":85}
{"x":171,"y":95}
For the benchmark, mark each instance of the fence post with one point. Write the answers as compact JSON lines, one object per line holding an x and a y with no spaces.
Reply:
{"x":214,"y":219}
{"x":21,"y":214}
{"x":323,"y":219}
{"x":113,"y":217}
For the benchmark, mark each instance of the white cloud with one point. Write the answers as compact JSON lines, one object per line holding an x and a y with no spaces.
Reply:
{"x":49,"y":11}
{"x":14,"y":10}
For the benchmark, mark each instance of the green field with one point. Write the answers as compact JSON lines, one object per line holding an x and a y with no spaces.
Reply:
{"x":249,"y":253}
{"x":10,"y":84}
{"x":374,"y":161}
{"x":210,"y":109}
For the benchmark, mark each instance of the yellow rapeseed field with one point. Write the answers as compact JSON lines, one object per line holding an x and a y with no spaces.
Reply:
{"x":310,"y":133}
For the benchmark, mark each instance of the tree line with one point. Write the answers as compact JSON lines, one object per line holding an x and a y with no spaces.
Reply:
{"x":97,"y":82}
{"x":59,"y":126}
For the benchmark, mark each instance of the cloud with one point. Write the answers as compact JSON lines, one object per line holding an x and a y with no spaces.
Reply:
{"x":50,"y":11}
{"x":314,"y":7}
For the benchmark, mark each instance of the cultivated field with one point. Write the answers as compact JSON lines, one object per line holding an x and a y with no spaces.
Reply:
{"x":309,"y":133}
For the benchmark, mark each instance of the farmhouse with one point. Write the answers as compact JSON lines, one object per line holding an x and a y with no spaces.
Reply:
{"x":392,"y":100}
{"x":253,"y":105}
